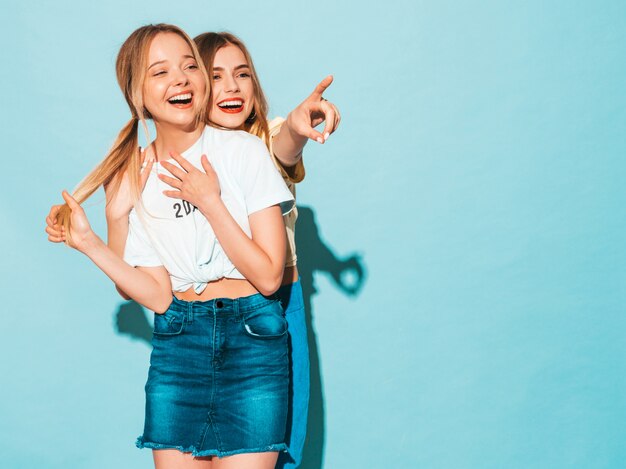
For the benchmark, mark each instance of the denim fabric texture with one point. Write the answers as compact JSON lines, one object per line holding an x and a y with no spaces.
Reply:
{"x":219,"y":377}
{"x":299,"y":377}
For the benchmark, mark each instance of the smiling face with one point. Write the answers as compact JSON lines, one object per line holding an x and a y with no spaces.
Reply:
{"x":174,"y":87}
{"x":232,"y":89}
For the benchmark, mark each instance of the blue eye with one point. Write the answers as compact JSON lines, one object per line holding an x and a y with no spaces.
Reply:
{"x":244,"y":75}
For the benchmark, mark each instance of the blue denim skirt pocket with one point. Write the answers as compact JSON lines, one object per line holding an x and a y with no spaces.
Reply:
{"x":266,"y":322}
{"x":169,"y":323}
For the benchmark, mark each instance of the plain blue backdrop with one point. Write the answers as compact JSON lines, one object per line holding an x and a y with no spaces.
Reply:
{"x":477,"y":178}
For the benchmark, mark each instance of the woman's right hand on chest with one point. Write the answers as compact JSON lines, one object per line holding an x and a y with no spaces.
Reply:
{"x":199,"y":188}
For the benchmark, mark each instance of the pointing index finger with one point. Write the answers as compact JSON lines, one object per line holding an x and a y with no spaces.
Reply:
{"x":321,"y":87}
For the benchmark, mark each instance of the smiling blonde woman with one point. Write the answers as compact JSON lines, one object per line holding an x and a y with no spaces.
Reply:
{"x":237,"y":102}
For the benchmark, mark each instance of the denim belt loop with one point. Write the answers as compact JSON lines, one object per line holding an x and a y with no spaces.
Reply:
{"x":236,"y":307}
{"x":190,"y":312}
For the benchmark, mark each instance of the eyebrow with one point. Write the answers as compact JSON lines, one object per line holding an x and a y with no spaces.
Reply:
{"x":163,"y":61}
{"x":238,"y":67}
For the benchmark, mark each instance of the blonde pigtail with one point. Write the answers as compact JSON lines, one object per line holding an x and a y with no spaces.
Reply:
{"x":124,"y":154}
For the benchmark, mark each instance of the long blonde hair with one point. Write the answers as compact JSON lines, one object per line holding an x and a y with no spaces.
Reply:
{"x":208,"y":45}
{"x":131,"y":68}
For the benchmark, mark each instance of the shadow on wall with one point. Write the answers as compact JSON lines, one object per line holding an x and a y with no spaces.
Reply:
{"x":348,"y":275}
{"x":131,"y":320}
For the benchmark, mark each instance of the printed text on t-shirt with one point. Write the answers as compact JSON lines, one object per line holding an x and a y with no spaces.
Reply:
{"x":184,"y":208}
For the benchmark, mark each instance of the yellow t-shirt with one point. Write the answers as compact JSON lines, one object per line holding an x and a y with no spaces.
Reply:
{"x":291,"y":176}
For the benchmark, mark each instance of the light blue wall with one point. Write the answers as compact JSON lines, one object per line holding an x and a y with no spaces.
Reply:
{"x":478,"y":173}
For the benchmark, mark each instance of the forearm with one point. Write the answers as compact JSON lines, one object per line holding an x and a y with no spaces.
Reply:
{"x":287,"y":145}
{"x":261,"y":268}
{"x":140,"y":286}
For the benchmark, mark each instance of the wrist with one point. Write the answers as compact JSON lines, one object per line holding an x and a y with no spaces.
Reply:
{"x":291,"y":130}
{"x":89,"y":244}
{"x":210,"y":206}
{"x":287,"y":145}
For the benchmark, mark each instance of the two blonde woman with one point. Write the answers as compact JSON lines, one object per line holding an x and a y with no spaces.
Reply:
{"x":208,"y":231}
{"x":208,"y":227}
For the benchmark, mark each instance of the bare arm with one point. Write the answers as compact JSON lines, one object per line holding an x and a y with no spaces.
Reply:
{"x":118,"y":206}
{"x":260,"y":259}
{"x":117,"y":232}
{"x":300,"y":125}
{"x":148,"y":286}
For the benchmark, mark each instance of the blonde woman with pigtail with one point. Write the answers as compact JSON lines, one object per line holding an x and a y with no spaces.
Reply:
{"x":197,"y":217}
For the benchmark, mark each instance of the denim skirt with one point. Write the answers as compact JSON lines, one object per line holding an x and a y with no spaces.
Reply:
{"x":219,"y":378}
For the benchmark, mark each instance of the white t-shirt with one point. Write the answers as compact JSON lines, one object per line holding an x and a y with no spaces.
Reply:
{"x":175,"y":234}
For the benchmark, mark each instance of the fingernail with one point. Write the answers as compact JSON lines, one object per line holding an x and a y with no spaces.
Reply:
{"x":326,"y":135}
{"x":319,"y":140}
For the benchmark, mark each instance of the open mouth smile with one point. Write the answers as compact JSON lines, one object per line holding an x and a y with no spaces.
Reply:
{"x":181,"y":101}
{"x":231,"y":106}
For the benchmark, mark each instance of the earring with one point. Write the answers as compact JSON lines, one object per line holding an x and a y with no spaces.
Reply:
{"x":252,"y":117}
